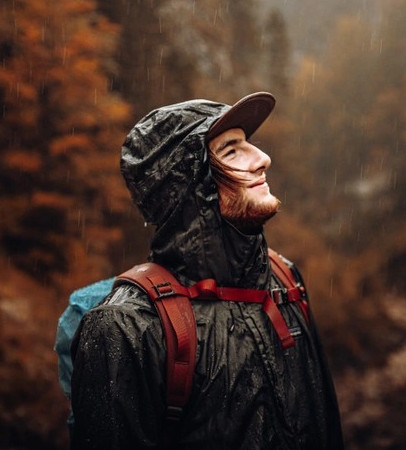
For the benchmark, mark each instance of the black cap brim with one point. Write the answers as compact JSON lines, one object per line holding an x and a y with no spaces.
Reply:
{"x":248,"y":113}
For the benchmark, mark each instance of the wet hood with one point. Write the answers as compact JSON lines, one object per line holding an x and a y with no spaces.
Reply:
{"x":166,"y":167}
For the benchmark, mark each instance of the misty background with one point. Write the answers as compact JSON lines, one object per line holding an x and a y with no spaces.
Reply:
{"x":75,"y":75}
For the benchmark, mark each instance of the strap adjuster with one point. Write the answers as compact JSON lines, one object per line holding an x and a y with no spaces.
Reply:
{"x":174,"y":413}
{"x":279,"y":295}
{"x":163,"y":290}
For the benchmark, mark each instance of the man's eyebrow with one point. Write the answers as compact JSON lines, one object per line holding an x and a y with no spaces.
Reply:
{"x":226,"y":144}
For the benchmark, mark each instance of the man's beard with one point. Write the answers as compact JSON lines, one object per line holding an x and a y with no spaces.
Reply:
{"x":246,"y":214}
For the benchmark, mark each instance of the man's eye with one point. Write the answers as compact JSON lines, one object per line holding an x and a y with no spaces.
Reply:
{"x":229,"y":153}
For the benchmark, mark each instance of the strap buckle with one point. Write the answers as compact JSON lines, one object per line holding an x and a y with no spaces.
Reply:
{"x":279,"y":295}
{"x":163,"y":290}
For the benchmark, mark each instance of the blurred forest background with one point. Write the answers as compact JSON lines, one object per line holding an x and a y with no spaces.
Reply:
{"x":75,"y":75}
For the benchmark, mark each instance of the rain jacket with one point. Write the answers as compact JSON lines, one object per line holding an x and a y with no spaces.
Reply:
{"x":248,"y":392}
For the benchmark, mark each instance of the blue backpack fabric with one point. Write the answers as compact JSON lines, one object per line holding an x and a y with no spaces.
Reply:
{"x":80,"y":301}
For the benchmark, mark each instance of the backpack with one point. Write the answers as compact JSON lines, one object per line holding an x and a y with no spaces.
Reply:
{"x":172,"y":301}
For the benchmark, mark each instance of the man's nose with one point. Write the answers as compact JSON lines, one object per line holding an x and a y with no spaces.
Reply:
{"x":259,"y":160}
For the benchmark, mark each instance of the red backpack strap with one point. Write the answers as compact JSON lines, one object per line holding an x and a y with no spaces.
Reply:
{"x":178,"y":322}
{"x":294,"y":290}
{"x":208,"y":290}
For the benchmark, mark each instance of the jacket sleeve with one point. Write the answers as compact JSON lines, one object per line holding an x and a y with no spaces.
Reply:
{"x":118,"y":392}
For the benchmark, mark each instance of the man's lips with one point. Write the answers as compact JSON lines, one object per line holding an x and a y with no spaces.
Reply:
{"x":259,"y":182}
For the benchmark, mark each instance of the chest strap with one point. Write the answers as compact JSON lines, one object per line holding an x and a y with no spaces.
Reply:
{"x":207,"y":289}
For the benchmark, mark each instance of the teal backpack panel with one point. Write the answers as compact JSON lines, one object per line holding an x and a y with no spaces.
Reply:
{"x":80,"y":301}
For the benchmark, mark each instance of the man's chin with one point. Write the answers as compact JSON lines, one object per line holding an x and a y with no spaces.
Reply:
{"x":254,"y":217}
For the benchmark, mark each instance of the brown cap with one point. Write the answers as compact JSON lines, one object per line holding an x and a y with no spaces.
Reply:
{"x":248,"y":113}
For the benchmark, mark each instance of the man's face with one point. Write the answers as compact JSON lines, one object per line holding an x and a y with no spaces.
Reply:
{"x":248,"y":203}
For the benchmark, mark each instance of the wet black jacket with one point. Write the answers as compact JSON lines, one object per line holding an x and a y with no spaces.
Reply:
{"x":248,"y":392}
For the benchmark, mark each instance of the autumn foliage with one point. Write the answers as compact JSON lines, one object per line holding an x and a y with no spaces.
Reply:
{"x":59,"y":137}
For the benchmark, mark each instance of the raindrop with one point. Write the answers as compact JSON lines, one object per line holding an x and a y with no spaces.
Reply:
{"x":43,"y":29}
{"x":394,"y":180}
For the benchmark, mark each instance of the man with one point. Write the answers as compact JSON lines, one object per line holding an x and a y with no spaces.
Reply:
{"x":193,"y":173}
